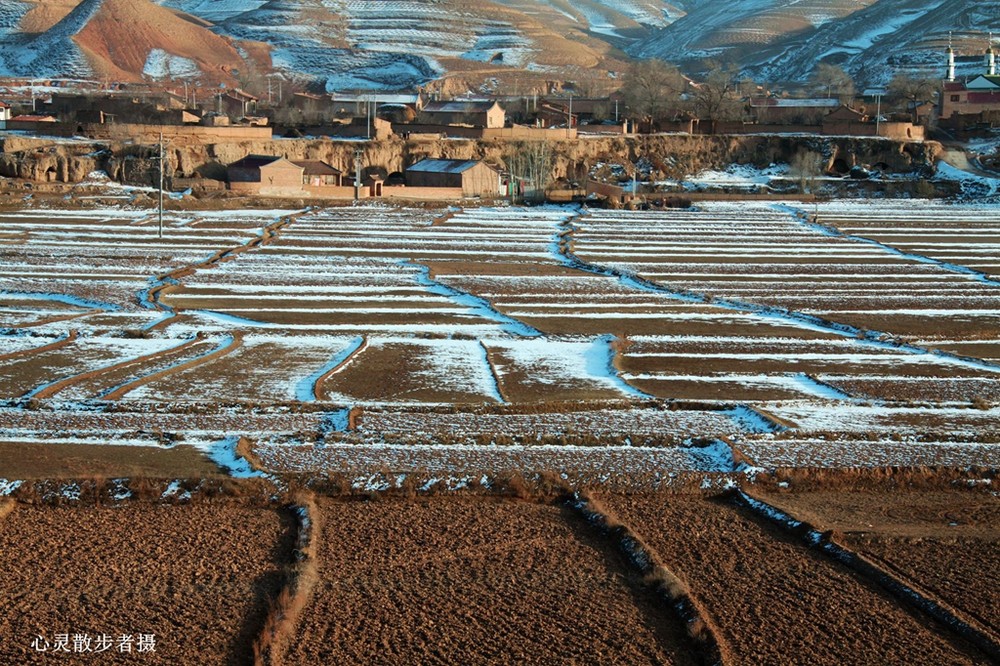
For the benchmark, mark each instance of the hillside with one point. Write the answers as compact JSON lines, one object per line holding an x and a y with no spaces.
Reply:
{"x":504,"y":46}
{"x":784,"y":40}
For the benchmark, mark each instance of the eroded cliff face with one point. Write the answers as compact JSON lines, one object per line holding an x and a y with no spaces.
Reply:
{"x":42,"y":160}
{"x":670,"y":156}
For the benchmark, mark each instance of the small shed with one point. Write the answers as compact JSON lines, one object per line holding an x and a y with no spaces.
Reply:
{"x":318,"y":173}
{"x":479,"y":114}
{"x":265,"y":174}
{"x":476,"y":178}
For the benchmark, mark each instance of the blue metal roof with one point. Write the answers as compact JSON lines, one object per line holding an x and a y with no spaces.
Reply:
{"x":443,"y":166}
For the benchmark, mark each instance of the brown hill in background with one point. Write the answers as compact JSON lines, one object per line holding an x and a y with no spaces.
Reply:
{"x":121,"y":35}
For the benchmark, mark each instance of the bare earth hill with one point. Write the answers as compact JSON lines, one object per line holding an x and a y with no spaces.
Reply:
{"x":493,"y":45}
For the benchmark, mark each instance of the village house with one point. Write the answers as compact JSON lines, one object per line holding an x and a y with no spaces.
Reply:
{"x":266,"y":175}
{"x":977,"y":97}
{"x":789,"y":111}
{"x":591,"y":109}
{"x":235,"y":103}
{"x":975,"y":100}
{"x":314,"y":108}
{"x":316,"y":173}
{"x":373,"y":103}
{"x":551,"y":114}
{"x":478,"y":114}
{"x":34,"y":118}
{"x":5,"y":111}
{"x":473,"y":177}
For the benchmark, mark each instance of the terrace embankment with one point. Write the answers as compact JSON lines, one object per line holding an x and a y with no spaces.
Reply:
{"x":71,"y":162}
{"x":803,"y":606}
{"x":474,"y":580}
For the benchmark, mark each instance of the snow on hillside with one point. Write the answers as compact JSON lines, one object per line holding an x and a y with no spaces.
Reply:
{"x":216,"y":10}
{"x":52,"y":53}
{"x":161,"y":65}
{"x":10,"y":17}
{"x":784,"y":40}
{"x":404,"y":43}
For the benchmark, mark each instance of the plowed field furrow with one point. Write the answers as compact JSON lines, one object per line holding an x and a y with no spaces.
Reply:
{"x":947,"y":543}
{"x":196,"y":578}
{"x":24,"y":353}
{"x":92,"y":383}
{"x":773,"y":600}
{"x":476,"y":580}
{"x":25,"y":376}
{"x":226,"y":347}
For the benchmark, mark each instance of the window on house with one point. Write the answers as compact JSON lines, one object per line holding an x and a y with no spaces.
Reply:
{"x":954,"y":98}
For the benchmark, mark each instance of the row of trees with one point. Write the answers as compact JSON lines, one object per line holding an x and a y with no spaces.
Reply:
{"x":657,"y":91}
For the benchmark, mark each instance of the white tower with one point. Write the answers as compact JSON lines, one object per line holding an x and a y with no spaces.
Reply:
{"x":951,"y":59}
{"x":990,"y":59}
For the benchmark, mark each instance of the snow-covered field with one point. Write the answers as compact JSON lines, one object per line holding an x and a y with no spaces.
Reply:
{"x":508,"y":338}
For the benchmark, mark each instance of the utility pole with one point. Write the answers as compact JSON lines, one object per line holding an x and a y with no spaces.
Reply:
{"x":878,"y":112}
{"x":160,"y":227}
{"x":357,"y":173}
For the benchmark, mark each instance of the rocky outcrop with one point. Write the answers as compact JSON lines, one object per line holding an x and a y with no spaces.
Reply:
{"x":673,"y":155}
{"x":669,"y":156}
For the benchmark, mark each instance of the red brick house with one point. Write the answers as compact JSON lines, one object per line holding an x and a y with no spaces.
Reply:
{"x":975,"y":97}
{"x":265,"y":174}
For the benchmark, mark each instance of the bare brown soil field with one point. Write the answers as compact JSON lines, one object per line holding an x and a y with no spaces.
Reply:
{"x":147,"y":419}
{"x":985,"y":349}
{"x":930,"y":389}
{"x":20,"y":375}
{"x":24,"y":460}
{"x":921,"y":327}
{"x":395,"y":370}
{"x":839,"y":450}
{"x":966,"y":239}
{"x":945,"y":543}
{"x":771,"y":599}
{"x":473,"y":581}
{"x":736,"y":389}
{"x":262,"y":370}
{"x":197,"y":577}
{"x":384,"y":466}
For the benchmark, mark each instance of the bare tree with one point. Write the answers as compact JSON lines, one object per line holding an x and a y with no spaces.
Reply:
{"x":714,"y":99}
{"x":652,"y":89}
{"x":805,"y":166}
{"x":907,"y":90}
{"x":834,"y":81}
{"x":530,"y":165}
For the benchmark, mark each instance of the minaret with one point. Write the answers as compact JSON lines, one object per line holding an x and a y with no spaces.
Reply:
{"x":990,"y":59}
{"x":951,"y":59}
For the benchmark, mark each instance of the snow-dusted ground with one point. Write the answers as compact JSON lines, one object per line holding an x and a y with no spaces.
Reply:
{"x":587,"y":463}
{"x":403,"y":312}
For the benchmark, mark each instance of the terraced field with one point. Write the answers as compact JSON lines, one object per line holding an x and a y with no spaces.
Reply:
{"x":609,"y":344}
{"x":732,"y":435}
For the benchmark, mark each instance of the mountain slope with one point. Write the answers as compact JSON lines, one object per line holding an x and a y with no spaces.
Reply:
{"x":116,"y":39}
{"x":481,"y":44}
{"x":784,"y":40}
